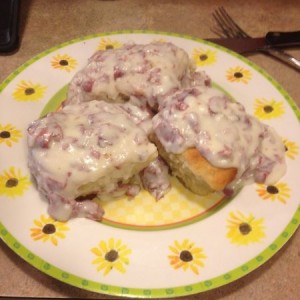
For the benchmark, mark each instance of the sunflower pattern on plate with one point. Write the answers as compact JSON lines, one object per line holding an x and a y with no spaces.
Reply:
{"x":239,"y":74}
{"x":9,"y":135}
{"x":112,"y":254}
{"x":48,"y":230}
{"x":183,"y":256}
{"x":244,"y":229}
{"x":64,"y":62}
{"x":204,"y":57}
{"x":107,"y":43}
{"x":13,"y":183}
{"x":29,"y":91}
{"x":186,"y":255}
{"x":268,"y":109}
{"x":277,"y":192}
{"x":291,"y":149}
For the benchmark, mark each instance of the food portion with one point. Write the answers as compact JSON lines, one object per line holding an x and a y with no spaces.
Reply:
{"x":194,"y":171}
{"x":211,"y":143}
{"x":148,"y":72}
{"x":155,"y":178}
{"x":86,"y":150}
{"x":137,"y":114}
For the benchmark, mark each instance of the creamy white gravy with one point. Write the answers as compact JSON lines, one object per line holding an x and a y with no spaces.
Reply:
{"x":155,"y":178}
{"x":222,"y":131}
{"x":87,"y":148}
{"x":94,"y":147}
{"x":148,"y":72}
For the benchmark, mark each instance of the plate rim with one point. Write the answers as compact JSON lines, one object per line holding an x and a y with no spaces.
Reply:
{"x":184,"y":290}
{"x":202,"y":286}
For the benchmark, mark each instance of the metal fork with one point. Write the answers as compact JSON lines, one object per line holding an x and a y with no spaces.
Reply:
{"x":227,"y":27}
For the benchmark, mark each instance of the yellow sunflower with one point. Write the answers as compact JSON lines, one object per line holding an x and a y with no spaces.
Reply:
{"x":239,"y":74}
{"x":107,"y":43}
{"x":291,"y":149}
{"x":64,"y":62}
{"x":268,"y":109}
{"x":28,"y":91}
{"x":279,"y":191}
{"x":47,"y":229}
{"x":112,"y":254}
{"x":13,"y":183}
{"x":204,"y":57}
{"x":186,"y":255}
{"x":244,"y":230}
{"x":9,"y":134}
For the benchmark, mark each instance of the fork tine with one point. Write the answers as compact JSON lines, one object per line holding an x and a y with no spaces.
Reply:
{"x":223,"y":28}
{"x":219,"y":32}
{"x":224,"y":24}
{"x":227,"y":22}
{"x":227,"y":26}
{"x":235,"y":28}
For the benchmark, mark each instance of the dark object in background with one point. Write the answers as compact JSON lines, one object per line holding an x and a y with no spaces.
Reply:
{"x":9,"y":25}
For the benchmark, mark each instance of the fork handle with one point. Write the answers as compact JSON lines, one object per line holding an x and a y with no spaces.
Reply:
{"x":284,"y":57}
{"x":277,"y":38}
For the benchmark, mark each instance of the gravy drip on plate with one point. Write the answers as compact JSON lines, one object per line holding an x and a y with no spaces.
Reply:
{"x":222,"y":131}
{"x":155,"y":178}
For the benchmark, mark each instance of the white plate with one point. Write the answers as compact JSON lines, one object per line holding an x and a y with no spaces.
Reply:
{"x":181,"y":245}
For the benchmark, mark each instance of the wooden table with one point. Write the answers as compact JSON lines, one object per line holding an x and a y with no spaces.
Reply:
{"x":45,"y":24}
